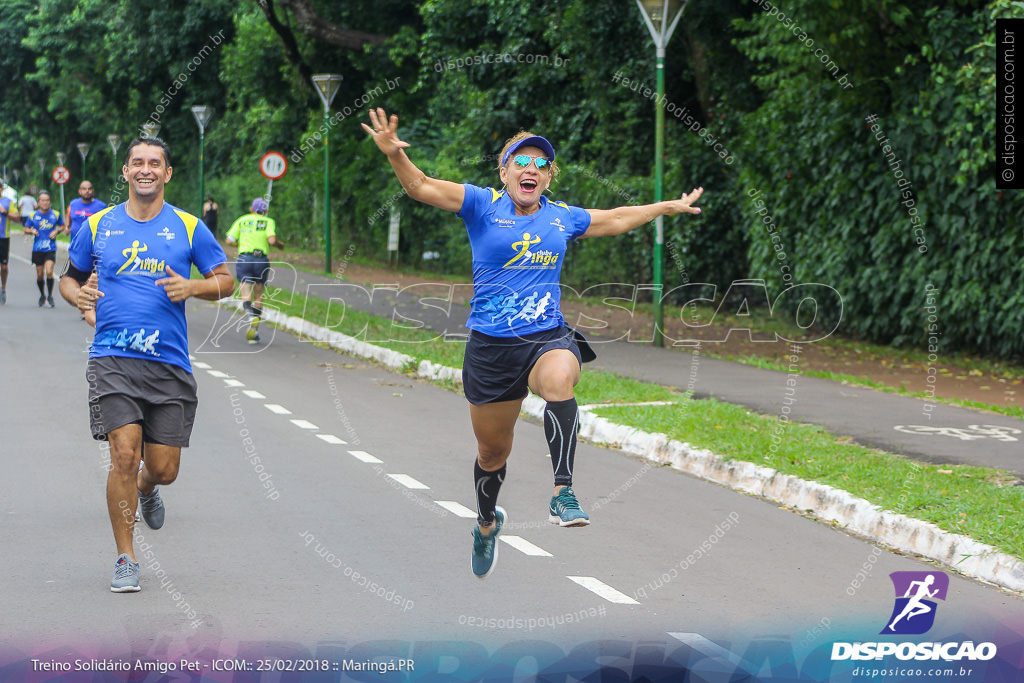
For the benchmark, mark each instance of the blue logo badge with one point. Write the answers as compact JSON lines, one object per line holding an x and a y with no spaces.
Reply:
{"x":914,"y":610}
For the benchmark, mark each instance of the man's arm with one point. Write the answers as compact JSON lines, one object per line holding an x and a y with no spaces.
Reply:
{"x":81,"y":290}
{"x":217,"y":284}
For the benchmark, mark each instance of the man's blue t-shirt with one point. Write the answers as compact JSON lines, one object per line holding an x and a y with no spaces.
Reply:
{"x":44,"y":223}
{"x":517,"y":261}
{"x":80,"y":212}
{"x":6,"y":203}
{"x":134,"y":318}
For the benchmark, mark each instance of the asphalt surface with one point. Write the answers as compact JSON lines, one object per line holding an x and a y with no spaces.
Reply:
{"x":361,"y":549}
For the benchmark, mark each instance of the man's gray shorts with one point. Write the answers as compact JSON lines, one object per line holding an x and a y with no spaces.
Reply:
{"x":159,"y":396}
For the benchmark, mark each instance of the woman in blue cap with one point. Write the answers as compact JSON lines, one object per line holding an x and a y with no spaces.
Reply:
{"x":518,"y":338}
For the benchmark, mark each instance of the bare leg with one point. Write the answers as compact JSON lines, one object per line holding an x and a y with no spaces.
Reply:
{"x":122,"y":496}
{"x":494,"y":427}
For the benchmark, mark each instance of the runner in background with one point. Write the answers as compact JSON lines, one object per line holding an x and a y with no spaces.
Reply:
{"x":8,"y":213}
{"x":254,"y":233}
{"x":80,"y":209}
{"x":44,"y":223}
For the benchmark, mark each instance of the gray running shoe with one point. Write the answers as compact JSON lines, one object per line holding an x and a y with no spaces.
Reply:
{"x":485,"y":548}
{"x":151,"y":508}
{"x":126,"y":575}
{"x":49,"y":302}
{"x":565,"y":509}
{"x":3,"y":296}
{"x":42,"y":301}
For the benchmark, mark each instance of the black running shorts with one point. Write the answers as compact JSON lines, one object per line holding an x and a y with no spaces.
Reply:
{"x":159,"y":396}
{"x":39,"y":258}
{"x":498,"y":368}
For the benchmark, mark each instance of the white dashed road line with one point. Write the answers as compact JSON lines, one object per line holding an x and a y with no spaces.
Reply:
{"x":457,"y":509}
{"x":408,"y":482}
{"x":603,"y":590}
{"x":365,"y":457}
{"x":706,"y":647}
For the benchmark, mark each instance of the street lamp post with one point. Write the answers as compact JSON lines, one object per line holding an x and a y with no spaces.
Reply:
{"x":83,"y":150}
{"x":115,"y":142}
{"x":202,"y":115}
{"x":61,"y":158}
{"x":327,"y":87}
{"x":656,"y":15}
{"x":42,"y":170}
{"x":150,"y":129}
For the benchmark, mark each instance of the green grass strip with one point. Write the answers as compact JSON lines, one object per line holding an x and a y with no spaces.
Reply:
{"x":979,"y":502}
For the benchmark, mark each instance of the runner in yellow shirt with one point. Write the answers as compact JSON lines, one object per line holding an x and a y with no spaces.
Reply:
{"x":254,"y":233}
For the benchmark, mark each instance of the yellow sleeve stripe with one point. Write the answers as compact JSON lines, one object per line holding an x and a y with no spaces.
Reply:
{"x":495,"y":194}
{"x":190,"y":223}
{"x":94,"y":221}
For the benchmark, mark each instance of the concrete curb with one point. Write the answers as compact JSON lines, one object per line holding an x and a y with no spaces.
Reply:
{"x":898,"y":531}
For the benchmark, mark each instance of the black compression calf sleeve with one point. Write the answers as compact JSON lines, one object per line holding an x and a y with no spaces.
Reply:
{"x":560,"y":421}
{"x":487,"y":486}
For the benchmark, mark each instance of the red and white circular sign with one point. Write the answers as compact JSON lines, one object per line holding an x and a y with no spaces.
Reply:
{"x":61,"y":175}
{"x":273,"y":165}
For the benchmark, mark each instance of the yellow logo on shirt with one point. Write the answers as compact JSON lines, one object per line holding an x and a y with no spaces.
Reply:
{"x":527,"y":258}
{"x":135,"y":263}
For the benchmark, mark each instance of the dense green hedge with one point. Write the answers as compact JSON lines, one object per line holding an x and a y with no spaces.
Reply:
{"x":899,"y":213}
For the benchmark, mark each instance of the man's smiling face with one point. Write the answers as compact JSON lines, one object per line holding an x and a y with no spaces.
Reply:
{"x":146,"y":171}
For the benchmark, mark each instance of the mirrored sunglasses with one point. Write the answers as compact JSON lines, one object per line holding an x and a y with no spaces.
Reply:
{"x":523,"y":160}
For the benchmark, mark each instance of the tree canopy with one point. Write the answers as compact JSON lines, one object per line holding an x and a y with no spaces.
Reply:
{"x":844,"y":142}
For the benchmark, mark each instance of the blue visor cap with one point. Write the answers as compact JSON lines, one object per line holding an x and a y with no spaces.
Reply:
{"x":534,"y":141}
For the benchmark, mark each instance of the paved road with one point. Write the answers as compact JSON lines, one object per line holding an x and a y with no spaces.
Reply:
{"x":318,"y":549}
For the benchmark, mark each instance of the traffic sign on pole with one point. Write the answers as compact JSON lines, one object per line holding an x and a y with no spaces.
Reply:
{"x":273,"y":165}
{"x":61,"y":175}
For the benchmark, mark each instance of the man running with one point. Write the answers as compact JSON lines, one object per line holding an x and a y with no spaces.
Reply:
{"x":254,"y":233}
{"x":80,"y":209}
{"x":44,"y":223}
{"x":27,"y":204}
{"x":142,"y":396}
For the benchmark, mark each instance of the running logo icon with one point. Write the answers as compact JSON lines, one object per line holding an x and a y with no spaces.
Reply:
{"x":914,"y":610}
